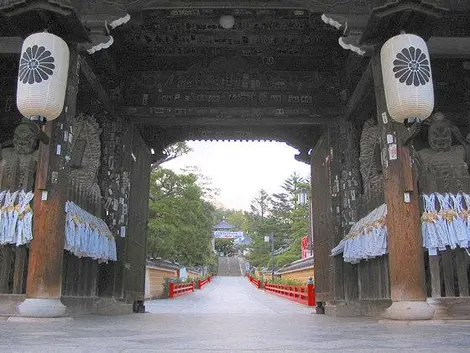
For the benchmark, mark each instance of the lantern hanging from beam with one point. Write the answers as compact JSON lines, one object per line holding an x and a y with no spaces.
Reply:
{"x":42,"y":76}
{"x":407,"y":78}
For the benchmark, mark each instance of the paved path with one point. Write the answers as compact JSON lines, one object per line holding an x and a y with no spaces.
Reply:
{"x":231,"y":315}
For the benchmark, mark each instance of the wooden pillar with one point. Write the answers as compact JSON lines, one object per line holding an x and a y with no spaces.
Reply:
{"x":406,"y":261}
{"x":44,"y":282}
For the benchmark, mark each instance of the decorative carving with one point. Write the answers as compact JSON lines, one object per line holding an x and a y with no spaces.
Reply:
{"x":211,"y":77}
{"x":86,"y":153}
{"x":442,"y":166}
{"x":227,"y":83}
{"x":370,"y":161}
{"x":23,"y":155}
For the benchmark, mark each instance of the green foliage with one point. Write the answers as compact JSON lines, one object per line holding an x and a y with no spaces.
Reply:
{"x":286,"y":281}
{"x":282,"y":216}
{"x":239,"y":220}
{"x":180,"y":220}
{"x":171,"y":152}
{"x":286,"y":258}
{"x":224,"y":245}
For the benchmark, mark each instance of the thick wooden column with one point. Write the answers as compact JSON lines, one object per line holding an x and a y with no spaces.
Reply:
{"x":44,"y":282}
{"x":406,"y":261}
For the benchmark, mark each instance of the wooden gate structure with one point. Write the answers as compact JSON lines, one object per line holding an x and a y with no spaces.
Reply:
{"x":146,"y":74}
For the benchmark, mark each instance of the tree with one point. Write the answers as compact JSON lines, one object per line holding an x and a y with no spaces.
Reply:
{"x":282,"y":216}
{"x":239,"y":220}
{"x":224,"y":245}
{"x":180,"y":220}
{"x":205,"y":183}
{"x":171,"y":152}
{"x":260,"y":205}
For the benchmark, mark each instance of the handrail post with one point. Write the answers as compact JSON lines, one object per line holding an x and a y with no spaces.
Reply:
{"x":311,"y":294}
{"x":171,"y":290}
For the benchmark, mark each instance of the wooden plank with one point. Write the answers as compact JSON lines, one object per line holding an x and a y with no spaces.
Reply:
{"x":380,"y":277}
{"x":360,"y":279}
{"x":338,"y":278}
{"x":5,"y":268}
{"x":74,"y":275}
{"x":19,"y":271}
{"x":95,"y":84}
{"x":86,"y":276}
{"x":65,"y":278}
{"x":316,"y":118}
{"x":462,"y":264}
{"x":81,"y":277}
{"x":94,"y":279}
{"x":350,"y":282}
{"x":136,"y":237}
{"x":448,"y":273}
{"x":322,"y":205}
{"x":363,"y":88}
{"x":435,"y":270}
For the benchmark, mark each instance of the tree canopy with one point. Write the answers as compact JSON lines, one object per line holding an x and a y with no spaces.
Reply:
{"x":282,"y":216}
{"x":171,"y":152}
{"x":180,"y":222}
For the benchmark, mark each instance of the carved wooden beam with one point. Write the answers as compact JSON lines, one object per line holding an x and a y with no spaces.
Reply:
{"x":16,"y":7}
{"x":232,"y":116}
{"x":362,"y":90}
{"x":197,"y":121}
{"x":96,"y":86}
{"x":449,"y":47}
{"x":10,"y":45}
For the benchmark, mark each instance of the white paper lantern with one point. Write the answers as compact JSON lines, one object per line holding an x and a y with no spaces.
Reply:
{"x":406,"y":70}
{"x":42,"y":76}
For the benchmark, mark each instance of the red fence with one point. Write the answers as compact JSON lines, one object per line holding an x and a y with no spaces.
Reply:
{"x":203,"y":282}
{"x":176,"y":290}
{"x":301,"y":294}
{"x":255,"y":281}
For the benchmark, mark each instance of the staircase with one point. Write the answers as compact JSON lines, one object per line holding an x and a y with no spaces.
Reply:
{"x":229,"y":266}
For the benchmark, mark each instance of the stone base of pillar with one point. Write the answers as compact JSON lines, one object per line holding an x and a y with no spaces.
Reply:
{"x":38,"y":307}
{"x":409,"y":310}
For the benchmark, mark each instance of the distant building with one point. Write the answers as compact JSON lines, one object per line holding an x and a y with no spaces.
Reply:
{"x":222,"y":230}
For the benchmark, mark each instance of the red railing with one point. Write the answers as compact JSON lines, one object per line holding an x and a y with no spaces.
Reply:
{"x":255,"y":281}
{"x":203,"y":282}
{"x":176,"y":290}
{"x":301,"y":294}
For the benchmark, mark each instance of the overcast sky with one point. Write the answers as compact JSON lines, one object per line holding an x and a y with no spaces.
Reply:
{"x":241,"y":169}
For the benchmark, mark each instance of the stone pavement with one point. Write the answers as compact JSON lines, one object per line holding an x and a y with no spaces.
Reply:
{"x":231,"y":315}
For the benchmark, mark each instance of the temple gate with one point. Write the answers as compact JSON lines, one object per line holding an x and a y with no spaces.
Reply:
{"x":145,"y":74}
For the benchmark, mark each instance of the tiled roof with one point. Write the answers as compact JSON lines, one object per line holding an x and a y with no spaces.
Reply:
{"x":297,"y":265}
{"x":223,"y":225}
{"x":163,"y":264}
